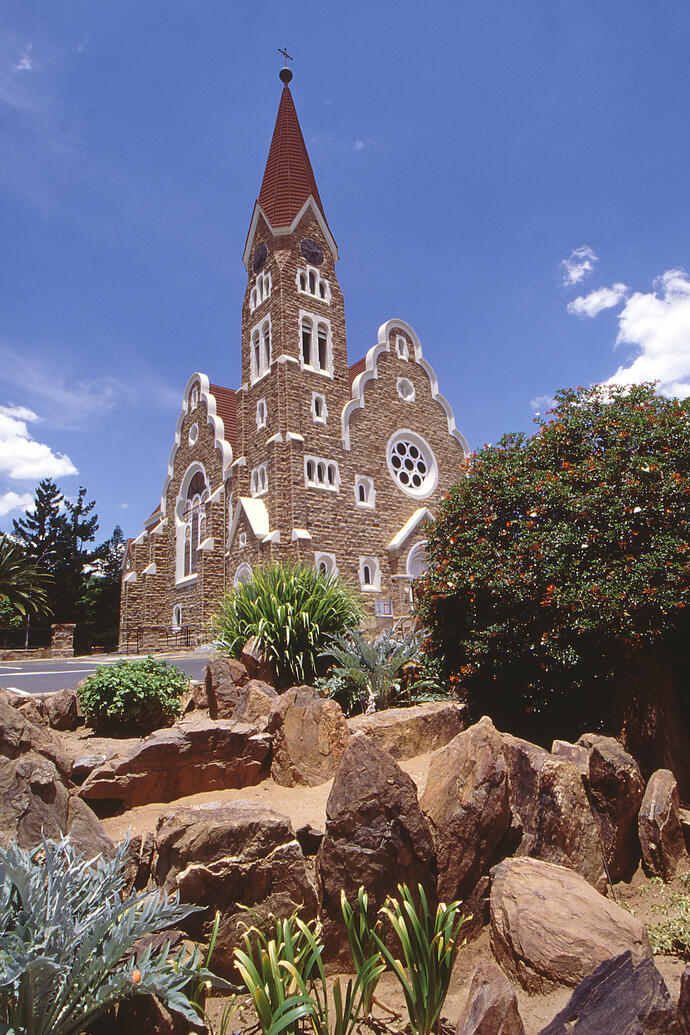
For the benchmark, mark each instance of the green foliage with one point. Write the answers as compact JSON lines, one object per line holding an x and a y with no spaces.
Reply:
{"x":430,"y":944}
{"x":363,"y":947}
{"x":561,"y":554}
{"x":202,"y":986}
{"x":671,"y":936}
{"x":68,"y":941}
{"x":133,"y":695}
{"x":367,"y":674}
{"x":292,"y":609}
{"x":22,"y":588}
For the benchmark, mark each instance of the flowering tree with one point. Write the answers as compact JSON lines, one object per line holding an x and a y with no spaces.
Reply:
{"x":561,"y":562}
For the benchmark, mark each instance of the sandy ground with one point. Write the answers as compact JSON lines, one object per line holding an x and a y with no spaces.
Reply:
{"x":308,"y":805}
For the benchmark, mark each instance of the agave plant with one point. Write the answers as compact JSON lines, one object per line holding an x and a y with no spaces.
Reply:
{"x":68,"y":942}
{"x":20,"y":583}
{"x":366,"y":674}
{"x":292,"y":609}
{"x":430,"y":944}
{"x":366,"y":956}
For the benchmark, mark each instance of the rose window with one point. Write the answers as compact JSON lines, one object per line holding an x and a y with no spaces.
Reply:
{"x":412,"y":464}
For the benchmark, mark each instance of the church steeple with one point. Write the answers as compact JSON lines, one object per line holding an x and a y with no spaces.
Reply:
{"x":288,"y":181}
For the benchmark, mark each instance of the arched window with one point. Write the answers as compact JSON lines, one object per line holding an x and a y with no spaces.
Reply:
{"x":267,"y":347}
{"x":310,"y":470}
{"x":366,"y":574}
{"x":369,"y":574}
{"x":362,"y":492}
{"x":306,"y":340}
{"x":312,"y":282}
{"x":260,"y":354}
{"x":322,"y":335}
{"x":194,"y":397}
{"x":177,"y":616}
{"x":193,"y":519}
{"x":256,"y":357}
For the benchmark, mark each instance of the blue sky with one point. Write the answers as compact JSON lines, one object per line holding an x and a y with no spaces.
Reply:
{"x":511,"y":178}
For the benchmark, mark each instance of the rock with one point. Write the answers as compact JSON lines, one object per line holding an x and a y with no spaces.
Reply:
{"x":309,"y":734}
{"x":61,"y":709}
{"x":196,"y":755}
{"x":684,"y":1003}
{"x":406,"y":732}
{"x":145,"y":1013}
{"x":616,"y":788}
{"x":31,"y":711}
{"x":84,"y":765}
{"x":199,"y":695}
{"x":228,"y":855}
{"x":36,"y":803}
{"x":576,"y":754}
{"x":376,"y":836}
{"x":18,"y":735}
{"x":550,"y":927}
{"x":621,"y":997}
{"x":661,"y":835}
{"x":492,"y":1006}
{"x":255,"y":702}
{"x":257,"y":664}
{"x":309,"y":838}
{"x":466,"y":800}
{"x":549,"y":802}
{"x":224,"y":679}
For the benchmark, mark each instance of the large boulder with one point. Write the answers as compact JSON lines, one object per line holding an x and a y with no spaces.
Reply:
{"x":550,"y":807}
{"x":550,"y":927}
{"x":256,"y":663}
{"x":61,"y":709}
{"x":660,"y":831}
{"x":255,"y":702}
{"x":376,"y":836}
{"x":18,"y":735}
{"x":35,"y":802}
{"x":466,"y":800}
{"x":225,"y":677}
{"x":684,"y":1003}
{"x":406,"y":732}
{"x":309,"y":735}
{"x":621,"y":997}
{"x":616,"y":788}
{"x":492,"y":1006}
{"x":196,"y":755}
{"x":226,"y":856}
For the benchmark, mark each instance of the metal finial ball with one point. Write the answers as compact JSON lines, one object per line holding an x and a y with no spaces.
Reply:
{"x":285,"y":75}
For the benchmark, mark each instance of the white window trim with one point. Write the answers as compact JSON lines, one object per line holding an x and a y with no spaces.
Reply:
{"x":177,"y":617}
{"x":260,"y":291}
{"x":416,"y":549}
{"x":318,"y":279}
{"x":324,"y":408}
{"x":316,"y":482}
{"x":402,"y":385}
{"x":194,"y":396}
{"x":259,"y":480}
{"x":326,"y":371}
{"x":329,"y":560}
{"x":402,"y":348}
{"x":430,"y":483}
{"x":242,"y":539}
{"x":375,"y":568}
{"x":242,"y":569}
{"x":261,"y":408}
{"x":257,"y":373}
{"x":370,"y":504}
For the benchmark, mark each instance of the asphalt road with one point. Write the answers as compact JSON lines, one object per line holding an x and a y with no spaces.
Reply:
{"x":37,"y":677}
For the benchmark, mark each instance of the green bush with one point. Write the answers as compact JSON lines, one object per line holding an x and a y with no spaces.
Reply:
{"x":137,"y":696}
{"x":68,"y":942}
{"x":671,"y":936}
{"x":292,"y":609}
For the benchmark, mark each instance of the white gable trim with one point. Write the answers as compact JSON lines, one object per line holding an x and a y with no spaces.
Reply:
{"x":283,"y":231}
{"x":371,"y":372}
{"x":410,"y":526}
{"x":256,"y":514}
{"x":223,"y":447}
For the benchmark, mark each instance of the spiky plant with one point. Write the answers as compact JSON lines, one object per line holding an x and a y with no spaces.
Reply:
{"x":68,"y":941}
{"x":430,"y":944}
{"x":292,"y":609}
{"x":366,"y":674}
{"x":20,"y":583}
{"x":360,"y":935}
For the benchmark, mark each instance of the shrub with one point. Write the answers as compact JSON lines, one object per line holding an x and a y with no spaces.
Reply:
{"x":561,"y":559}
{"x":368,"y":675}
{"x":68,"y":941}
{"x":671,"y":936}
{"x":292,"y":609}
{"x":133,"y":695}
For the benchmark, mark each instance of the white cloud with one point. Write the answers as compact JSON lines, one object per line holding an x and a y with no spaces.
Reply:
{"x":10,"y":501}
{"x":21,"y":456}
{"x":359,"y":145}
{"x":578,"y":265}
{"x":596,"y":301}
{"x":541,"y":403}
{"x":25,"y":63}
{"x":658,"y":324}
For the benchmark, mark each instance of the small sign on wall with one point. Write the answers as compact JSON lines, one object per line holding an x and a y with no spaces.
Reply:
{"x":383,"y":608}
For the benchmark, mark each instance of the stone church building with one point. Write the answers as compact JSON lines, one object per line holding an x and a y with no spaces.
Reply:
{"x":311,"y":458}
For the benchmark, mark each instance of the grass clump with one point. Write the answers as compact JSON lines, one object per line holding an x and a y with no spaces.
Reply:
{"x":292,"y":609}
{"x":133,"y":696}
{"x":671,"y":936}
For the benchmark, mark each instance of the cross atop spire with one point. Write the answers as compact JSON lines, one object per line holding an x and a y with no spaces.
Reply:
{"x":288,"y":178}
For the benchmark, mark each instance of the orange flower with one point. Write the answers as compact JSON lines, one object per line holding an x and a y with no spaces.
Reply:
{"x":136,"y":977}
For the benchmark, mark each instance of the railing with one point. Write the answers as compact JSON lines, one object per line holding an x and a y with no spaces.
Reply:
{"x":136,"y":639}
{"x":34,"y":638}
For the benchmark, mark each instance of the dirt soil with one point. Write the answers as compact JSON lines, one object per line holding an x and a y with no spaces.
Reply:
{"x":308,"y":805}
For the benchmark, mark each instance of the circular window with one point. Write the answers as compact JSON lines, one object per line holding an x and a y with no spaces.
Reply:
{"x":412,"y":463}
{"x":405,"y":389}
{"x":193,"y":434}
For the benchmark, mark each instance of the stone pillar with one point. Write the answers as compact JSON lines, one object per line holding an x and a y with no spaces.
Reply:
{"x":62,"y":640}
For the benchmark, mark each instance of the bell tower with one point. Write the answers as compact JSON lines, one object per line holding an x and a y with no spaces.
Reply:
{"x":295,"y":378}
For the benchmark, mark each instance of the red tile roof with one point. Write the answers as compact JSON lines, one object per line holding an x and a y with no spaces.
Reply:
{"x":288,"y":178}
{"x":357,"y":368}
{"x":226,"y":408}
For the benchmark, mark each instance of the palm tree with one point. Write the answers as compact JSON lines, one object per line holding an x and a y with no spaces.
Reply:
{"x":20,"y":583}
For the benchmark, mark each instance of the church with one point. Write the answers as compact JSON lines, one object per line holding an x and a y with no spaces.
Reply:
{"x":312,"y":458}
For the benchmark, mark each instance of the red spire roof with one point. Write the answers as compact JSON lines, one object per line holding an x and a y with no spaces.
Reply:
{"x":288,"y":178}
